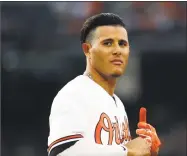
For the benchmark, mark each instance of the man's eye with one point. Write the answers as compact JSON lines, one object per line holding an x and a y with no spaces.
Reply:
{"x":122,"y":43}
{"x":107,"y":43}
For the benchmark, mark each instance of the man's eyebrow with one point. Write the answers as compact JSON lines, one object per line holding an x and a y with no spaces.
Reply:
{"x":110,"y":39}
{"x":107,"y":39}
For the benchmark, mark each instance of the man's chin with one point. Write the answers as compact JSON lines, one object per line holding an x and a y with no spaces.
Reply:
{"x":116,"y":74}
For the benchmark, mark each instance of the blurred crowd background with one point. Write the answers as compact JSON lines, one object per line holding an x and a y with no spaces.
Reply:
{"x":41,"y":52}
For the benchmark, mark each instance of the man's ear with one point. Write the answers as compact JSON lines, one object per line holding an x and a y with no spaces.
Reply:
{"x":86,"y":49}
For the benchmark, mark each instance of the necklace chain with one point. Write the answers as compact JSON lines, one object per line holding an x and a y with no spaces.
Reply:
{"x":88,"y":74}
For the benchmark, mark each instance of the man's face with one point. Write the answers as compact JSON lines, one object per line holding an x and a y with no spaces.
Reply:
{"x":109,"y":50}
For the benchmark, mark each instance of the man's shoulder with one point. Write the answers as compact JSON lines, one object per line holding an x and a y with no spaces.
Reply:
{"x":73,"y":86}
{"x":69,"y":94}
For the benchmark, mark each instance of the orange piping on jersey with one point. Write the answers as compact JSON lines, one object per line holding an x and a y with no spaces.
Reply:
{"x":76,"y":136}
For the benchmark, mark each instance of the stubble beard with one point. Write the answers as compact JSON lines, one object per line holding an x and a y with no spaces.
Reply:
{"x":116,"y":75}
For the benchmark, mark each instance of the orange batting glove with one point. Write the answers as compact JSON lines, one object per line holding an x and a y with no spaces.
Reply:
{"x":147,"y":131}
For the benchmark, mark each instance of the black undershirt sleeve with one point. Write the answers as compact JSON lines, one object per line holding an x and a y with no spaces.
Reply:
{"x":59,"y":149}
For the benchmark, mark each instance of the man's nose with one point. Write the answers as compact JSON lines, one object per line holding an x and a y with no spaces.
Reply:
{"x":117,"y":51}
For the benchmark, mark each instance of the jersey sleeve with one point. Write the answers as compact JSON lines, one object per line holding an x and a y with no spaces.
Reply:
{"x":68,"y":123}
{"x":65,"y":122}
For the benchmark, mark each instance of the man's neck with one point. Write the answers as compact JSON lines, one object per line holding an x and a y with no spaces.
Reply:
{"x":108,"y":84}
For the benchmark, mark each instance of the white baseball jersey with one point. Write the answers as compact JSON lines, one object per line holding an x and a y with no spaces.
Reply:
{"x":83,"y":112}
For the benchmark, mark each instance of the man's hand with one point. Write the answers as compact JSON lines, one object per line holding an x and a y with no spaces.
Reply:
{"x":148,"y":132}
{"x":138,"y":147}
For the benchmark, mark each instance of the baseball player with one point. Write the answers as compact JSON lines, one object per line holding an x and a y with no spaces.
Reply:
{"x":87,"y":118}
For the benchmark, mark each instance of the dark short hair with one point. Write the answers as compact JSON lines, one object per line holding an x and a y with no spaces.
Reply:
{"x":101,"y":19}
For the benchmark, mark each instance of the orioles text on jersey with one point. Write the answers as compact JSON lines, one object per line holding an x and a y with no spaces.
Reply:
{"x":112,"y":129}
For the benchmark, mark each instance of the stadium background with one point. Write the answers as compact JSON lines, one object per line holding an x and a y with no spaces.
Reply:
{"x":41,"y":52}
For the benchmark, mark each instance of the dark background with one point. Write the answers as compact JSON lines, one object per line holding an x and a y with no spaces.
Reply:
{"x":41,"y":52}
